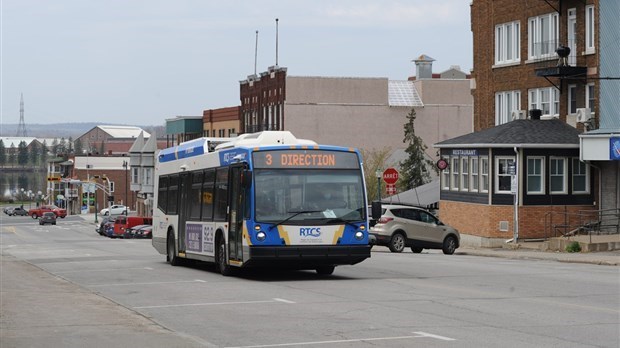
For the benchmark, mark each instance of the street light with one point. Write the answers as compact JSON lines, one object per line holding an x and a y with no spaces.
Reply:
{"x":378,"y":174}
{"x":125,"y":165}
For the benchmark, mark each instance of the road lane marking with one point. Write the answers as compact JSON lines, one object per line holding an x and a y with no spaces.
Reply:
{"x":283,"y":300}
{"x":312,"y":343}
{"x":206,"y":304}
{"x":105,"y":270}
{"x":151,"y":283}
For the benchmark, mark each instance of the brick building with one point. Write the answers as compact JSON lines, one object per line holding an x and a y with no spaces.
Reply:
{"x":537,"y":85}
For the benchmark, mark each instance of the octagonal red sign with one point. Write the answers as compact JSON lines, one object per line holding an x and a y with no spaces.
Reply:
{"x":390,"y":176}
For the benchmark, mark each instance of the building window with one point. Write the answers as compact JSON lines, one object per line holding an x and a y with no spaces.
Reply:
{"x":502,"y":175}
{"x":445,"y":177}
{"x":474,"y":175}
{"x":546,"y":99}
{"x":535,"y":170}
{"x":581,"y":177}
{"x":148,"y":176}
{"x":557,"y":175}
{"x":590,"y":97}
{"x":135,"y":175}
{"x":484,"y":174}
{"x":455,"y":173}
{"x":465,"y":173}
{"x":507,"y":43}
{"x":543,"y":36}
{"x":590,"y":37}
{"x":572,"y":99}
{"x":505,"y":103}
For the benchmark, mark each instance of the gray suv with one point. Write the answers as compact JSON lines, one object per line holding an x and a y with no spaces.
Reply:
{"x":403,"y":226}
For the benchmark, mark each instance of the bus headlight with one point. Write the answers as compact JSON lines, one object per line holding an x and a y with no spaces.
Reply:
{"x":261,"y":236}
{"x":359,"y":235}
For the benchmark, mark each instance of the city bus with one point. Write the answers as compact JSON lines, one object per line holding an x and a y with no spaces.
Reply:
{"x":262,"y":199}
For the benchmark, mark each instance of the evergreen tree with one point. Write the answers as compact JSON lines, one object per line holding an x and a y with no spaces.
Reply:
{"x":78,"y":147}
{"x":3,"y":158}
{"x":416,"y":169}
{"x":62,"y":147}
{"x":22,"y":153}
{"x":34,"y":154}
{"x":12,"y":155}
{"x":44,"y":154}
{"x":70,"y":145}
{"x":54,"y":147}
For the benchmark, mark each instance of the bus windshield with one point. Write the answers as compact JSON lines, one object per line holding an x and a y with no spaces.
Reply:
{"x":309,"y":195}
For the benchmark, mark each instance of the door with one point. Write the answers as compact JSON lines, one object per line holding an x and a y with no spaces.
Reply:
{"x":185,"y":184}
{"x":235,"y":217}
{"x":572,"y":36}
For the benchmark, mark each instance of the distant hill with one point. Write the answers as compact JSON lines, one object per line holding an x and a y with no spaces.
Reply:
{"x":64,"y":130}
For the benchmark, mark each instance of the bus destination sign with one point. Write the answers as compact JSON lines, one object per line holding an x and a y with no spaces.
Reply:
{"x":311,"y":159}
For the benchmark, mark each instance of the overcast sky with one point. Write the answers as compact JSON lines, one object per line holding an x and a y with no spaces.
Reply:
{"x":139,"y":62}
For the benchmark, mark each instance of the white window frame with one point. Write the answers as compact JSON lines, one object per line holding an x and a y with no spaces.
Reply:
{"x":474,"y":178}
{"x":590,"y":100}
{"x":507,"y":43}
{"x":540,"y":175}
{"x":505,"y":103}
{"x":497,"y":175}
{"x":454,"y":179}
{"x":553,"y":175}
{"x":590,"y":32}
{"x":484,"y":174}
{"x":148,"y":176}
{"x":445,"y":176}
{"x":135,"y":175}
{"x":464,"y":173}
{"x":541,"y":44}
{"x":539,"y":97}
{"x":572,"y":98}
{"x":577,"y":172}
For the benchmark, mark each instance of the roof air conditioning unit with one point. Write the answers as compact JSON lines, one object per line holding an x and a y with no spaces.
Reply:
{"x":518,"y":115}
{"x":584,"y":115}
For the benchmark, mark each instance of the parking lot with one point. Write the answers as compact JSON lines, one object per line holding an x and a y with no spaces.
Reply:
{"x":65,"y":285}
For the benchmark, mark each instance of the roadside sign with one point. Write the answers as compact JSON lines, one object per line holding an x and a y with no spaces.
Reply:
{"x":390,"y":176}
{"x":390,"y":189}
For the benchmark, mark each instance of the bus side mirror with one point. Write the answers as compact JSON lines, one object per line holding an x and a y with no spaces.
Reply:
{"x":376,"y":210}
{"x":246,"y":178}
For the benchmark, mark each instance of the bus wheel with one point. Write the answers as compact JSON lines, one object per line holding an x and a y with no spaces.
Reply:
{"x":222,"y":265}
{"x":325,"y":270}
{"x":172,"y":257}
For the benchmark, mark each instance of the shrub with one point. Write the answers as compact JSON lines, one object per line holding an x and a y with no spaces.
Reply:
{"x":573,"y":247}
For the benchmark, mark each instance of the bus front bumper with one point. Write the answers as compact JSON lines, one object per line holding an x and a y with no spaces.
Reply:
{"x":309,"y":255}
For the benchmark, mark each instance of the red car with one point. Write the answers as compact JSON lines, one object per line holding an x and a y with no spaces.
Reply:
{"x":36,"y":212}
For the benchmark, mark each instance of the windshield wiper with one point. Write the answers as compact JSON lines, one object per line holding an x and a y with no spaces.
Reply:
{"x":295,"y":213}
{"x":348,"y":222}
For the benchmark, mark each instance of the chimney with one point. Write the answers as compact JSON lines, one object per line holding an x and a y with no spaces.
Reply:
{"x":423,"y":67}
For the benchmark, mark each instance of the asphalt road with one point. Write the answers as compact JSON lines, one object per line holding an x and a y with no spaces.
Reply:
{"x":389,"y":300}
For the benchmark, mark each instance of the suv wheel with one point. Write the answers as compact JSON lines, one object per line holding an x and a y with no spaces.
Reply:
{"x":449,"y":245}
{"x":416,"y":249}
{"x":397,"y":243}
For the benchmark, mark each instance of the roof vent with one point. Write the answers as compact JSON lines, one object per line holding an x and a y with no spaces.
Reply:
{"x":535,"y":114}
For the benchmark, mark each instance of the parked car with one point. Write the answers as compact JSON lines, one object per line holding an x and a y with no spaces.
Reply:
{"x":36,"y":212}
{"x":403,"y":226}
{"x":122,"y":223}
{"x":115,"y":209}
{"x":18,"y":211}
{"x":6,"y":210}
{"x":101,"y":228}
{"x":47,"y":218}
{"x":139,"y":231}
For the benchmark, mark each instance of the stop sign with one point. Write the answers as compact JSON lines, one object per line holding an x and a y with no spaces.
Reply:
{"x":390,"y":176}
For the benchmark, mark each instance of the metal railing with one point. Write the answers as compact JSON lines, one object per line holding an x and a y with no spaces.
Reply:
{"x":583,"y":222}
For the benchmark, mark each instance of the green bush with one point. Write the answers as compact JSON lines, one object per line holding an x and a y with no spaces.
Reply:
{"x":573,"y":247}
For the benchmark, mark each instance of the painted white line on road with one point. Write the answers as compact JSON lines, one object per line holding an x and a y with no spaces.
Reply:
{"x":205,"y":304}
{"x":103,"y":270}
{"x":312,"y":343}
{"x":426,"y":334}
{"x":283,"y":300}
{"x":152,"y":283}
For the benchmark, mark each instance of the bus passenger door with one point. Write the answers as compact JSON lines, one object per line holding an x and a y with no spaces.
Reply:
{"x":185,"y":185}
{"x":235,"y":216}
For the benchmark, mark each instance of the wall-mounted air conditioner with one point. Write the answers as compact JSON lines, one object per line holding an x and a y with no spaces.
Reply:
{"x":584,"y":115}
{"x":518,"y":115}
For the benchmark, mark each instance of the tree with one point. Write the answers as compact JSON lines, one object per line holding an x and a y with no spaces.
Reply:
{"x":62,"y":147}
{"x":12,"y":153}
{"x":374,"y":160}
{"x":416,"y":169}
{"x":2,"y":153}
{"x":22,"y":153}
{"x":34,"y":154}
{"x":44,"y":152}
{"x":78,"y":147}
{"x":54,"y":148}
{"x":70,"y":145}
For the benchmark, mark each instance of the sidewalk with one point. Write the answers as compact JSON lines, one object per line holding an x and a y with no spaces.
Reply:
{"x":609,"y":258}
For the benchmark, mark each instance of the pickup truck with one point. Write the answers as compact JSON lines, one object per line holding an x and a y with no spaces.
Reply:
{"x":38,"y":211}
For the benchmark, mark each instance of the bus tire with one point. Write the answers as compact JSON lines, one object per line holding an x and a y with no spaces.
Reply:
{"x":222,"y":264}
{"x":325,"y":270}
{"x":171,"y":256}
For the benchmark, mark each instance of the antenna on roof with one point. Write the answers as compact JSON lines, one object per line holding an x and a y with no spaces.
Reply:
{"x":276,"y":42}
{"x":255,"y":52}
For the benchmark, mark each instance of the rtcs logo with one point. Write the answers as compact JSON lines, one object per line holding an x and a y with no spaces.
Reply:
{"x":310,"y":232}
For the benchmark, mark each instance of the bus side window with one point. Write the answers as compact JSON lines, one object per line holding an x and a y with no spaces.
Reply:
{"x":173,"y":194}
{"x":162,"y":191}
{"x":195,"y":196}
{"x":207,"y":195}
{"x":221,"y":194}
